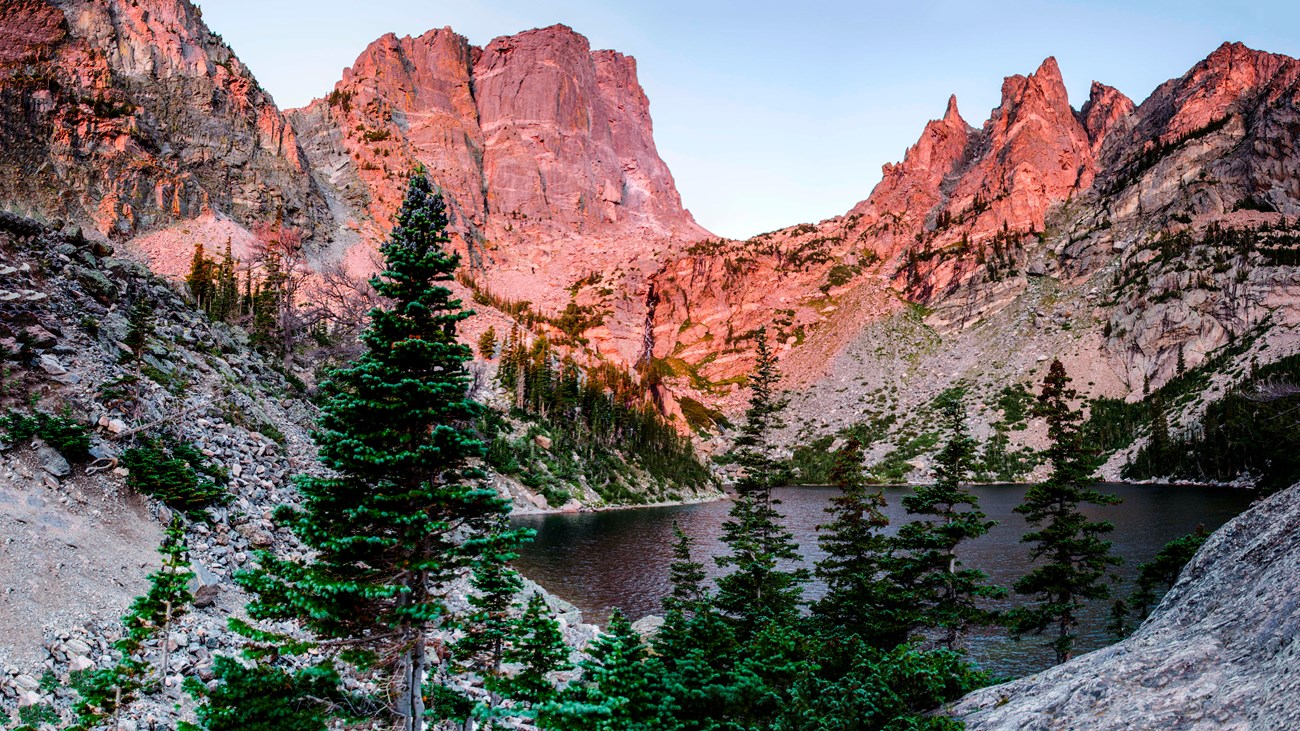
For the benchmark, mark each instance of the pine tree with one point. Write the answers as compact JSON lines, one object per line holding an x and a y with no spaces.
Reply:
{"x":1076,"y":561}
{"x":539,"y":649}
{"x":487,"y":343}
{"x":946,"y":594}
{"x":687,"y":577}
{"x":488,"y":626}
{"x":618,"y":689}
{"x":1155,"y":578}
{"x":861,"y":600}
{"x":201,"y":278}
{"x":386,"y":530}
{"x":251,"y":696}
{"x":757,"y":589}
{"x":107,"y":690}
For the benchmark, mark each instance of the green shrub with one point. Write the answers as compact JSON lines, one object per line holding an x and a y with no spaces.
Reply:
{"x":176,"y":473}
{"x":64,"y":433}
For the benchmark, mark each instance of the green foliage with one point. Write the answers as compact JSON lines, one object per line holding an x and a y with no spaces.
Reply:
{"x":811,"y":463}
{"x":615,"y":693}
{"x":214,"y":285}
{"x":250,"y":696}
{"x":699,"y":417}
{"x":601,"y":421}
{"x":895,"y":689}
{"x":488,"y":626}
{"x":1248,"y":431}
{"x":1155,"y":578}
{"x":758,"y":589}
{"x":387,"y":528}
{"x":38,"y":714}
{"x":862,"y":598}
{"x":538,"y":648}
{"x":998,"y":460}
{"x":487,"y":344}
{"x":1075,"y":561}
{"x":176,"y":473}
{"x":67,"y":435}
{"x":105,"y":691}
{"x":946,"y":595}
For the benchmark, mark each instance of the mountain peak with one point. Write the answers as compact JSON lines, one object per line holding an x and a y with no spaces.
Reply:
{"x":951,"y":115}
{"x":1048,"y":72}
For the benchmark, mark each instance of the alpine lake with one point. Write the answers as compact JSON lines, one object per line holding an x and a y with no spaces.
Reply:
{"x":620,"y":558}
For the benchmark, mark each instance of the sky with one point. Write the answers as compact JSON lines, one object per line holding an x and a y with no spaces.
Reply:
{"x":776,"y":113}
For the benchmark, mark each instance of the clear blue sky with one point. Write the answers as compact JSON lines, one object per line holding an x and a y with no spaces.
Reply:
{"x":776,"y":113}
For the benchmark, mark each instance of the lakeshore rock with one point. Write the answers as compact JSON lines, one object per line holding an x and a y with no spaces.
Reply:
{"x":1220,"y":651}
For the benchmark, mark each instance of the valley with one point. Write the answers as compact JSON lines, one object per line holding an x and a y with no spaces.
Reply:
{"x":334,"y":362}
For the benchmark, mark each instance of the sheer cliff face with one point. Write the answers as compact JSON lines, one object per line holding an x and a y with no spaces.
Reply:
{"x":543,"y":147}
{"x":130,"y":115}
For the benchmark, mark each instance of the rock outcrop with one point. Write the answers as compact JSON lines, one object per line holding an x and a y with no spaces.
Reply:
{"x":132,"y":115}
{"x":1220,"y":652}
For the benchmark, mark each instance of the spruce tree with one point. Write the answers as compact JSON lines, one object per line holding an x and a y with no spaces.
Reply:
{"x":539,"y":649}
{"x":618,"y":690}
{"x":201,"y":278}
{"x":861,"y":600}
{"x":488,"y":625}
{"x":946,"y":594}
{"x":1075,"y":562}
{"x":385,"y":530}
{"x":758,"y":589}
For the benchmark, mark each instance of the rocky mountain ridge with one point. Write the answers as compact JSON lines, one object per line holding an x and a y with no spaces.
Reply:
{"x":1044,"y":220}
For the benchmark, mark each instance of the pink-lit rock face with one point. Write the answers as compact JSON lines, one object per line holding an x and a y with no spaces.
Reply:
{"x":131,"y":115}
{"x":543,"y":148}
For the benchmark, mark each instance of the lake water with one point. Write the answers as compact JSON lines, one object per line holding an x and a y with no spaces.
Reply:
{"x":620,"y":558}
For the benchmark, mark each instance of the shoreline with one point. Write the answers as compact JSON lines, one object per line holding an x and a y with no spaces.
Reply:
{"x":721,"y":496}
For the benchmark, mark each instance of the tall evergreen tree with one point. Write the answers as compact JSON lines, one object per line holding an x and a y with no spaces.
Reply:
{"x":947,"y":594}
{"x":386,"y":529}
{"x":758,"y":588}
{"x":861,"y":599}
{"x":1075,"y":561}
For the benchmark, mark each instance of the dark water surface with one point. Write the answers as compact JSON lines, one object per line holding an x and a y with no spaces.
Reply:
{"x":620,"y":558}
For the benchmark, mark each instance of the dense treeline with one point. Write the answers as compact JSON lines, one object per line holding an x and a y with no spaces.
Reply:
{"x":599,"y":420}
{"x":1252,"y":430}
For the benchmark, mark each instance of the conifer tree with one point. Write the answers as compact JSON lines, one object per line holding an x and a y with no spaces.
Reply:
{"x":946,"y":594}
{"x":616,"y":692}
{"x":539,"y":649}
{"x":386,"y":529}
{"x":860,"y":598}
{"x":488,"y":626}
{"x":200,"y":279}
{"x":107,"y":690}
{"x":758,"y":589}
{"x":1075,"y":561}
{"x":686,"y":575}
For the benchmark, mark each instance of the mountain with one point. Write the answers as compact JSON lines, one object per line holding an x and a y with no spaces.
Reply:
{"x":130,"y":116}
{"x":1105,"y":235}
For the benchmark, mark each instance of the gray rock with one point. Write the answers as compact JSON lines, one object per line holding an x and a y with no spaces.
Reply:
{"x":1220,"y":652}
{"x":51,"y":461}
{"x":51,"y":365}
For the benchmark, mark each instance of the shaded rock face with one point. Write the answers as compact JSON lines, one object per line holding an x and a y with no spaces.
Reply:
{"x":1219,"y":652}
{"x":131,"y":115}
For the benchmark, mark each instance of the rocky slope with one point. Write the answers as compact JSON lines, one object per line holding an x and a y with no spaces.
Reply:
{"x":1219,"y":652}
{"x":78,"y":539}
{"x":1096,"y":235}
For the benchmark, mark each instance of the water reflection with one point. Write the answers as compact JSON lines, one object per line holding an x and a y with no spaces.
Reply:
{"x":620,"y":558}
